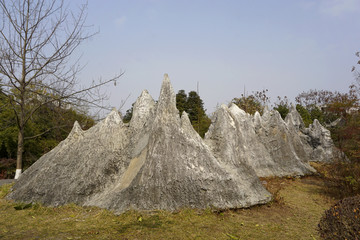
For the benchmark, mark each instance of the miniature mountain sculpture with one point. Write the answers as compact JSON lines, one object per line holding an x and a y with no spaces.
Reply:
{"x":157,"y":162}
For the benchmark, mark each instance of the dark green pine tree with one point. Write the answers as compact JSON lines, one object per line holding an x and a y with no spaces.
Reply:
{"x":181,"y":101}
{"x":195,"y":108}
{"x":305,"y":115}
{"x":128,"y":115}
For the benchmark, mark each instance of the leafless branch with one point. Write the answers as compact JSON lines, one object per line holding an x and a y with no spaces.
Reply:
{"x":37,"y":40}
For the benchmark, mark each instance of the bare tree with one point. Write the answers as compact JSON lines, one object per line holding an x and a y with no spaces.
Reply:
{"x":37,"y":39}
{"x":356,"y":85}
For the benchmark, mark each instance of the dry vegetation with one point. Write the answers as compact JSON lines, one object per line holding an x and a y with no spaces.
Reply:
{"x":294,"y":214}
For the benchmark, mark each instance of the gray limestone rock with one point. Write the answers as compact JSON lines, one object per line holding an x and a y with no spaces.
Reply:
{"x":316,"y":139}
{"x":176,"y":170}
{"x":294,"y":119}
{"x":233,"y":141}
{"x":262,"y":143}
{"x":157,"y":162}
{"x":144,"y":108}
{"x":78,"y":167}
{"x":284,"y":145}
{"x":324,"y":149}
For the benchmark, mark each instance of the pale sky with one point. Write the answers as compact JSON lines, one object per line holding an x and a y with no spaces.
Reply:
{"x":285,"y":46}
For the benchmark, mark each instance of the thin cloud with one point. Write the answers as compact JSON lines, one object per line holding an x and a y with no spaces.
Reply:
{"x":120,"y":21}
{"x":337,"y":8}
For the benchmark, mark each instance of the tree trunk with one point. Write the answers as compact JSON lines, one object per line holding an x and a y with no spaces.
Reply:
{"x":19,"y":156}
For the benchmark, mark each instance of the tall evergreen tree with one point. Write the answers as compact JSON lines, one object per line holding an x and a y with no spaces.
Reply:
{"x":181,"y":101}
{"x":128,"y":115}
{"x":194,"y":106}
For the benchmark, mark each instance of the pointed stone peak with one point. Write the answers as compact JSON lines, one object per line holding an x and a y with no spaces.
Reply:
{"x":257,"y":115}
{"x":221,"y":111}
{"x":113,"y":118}
{"x":76,"y":130}
{"x":220,"y":116}
{"x":185,"y":121}
{"x":317,"y":127}
{"x":143,"y":108}
{"x":144,"y":94}
{"x":266,"y":111}
{"x":143,"y":100}
{"x":274,"y":117}
{"x":224,"y":114}
{"x":316,"y":124}
{"x":267,"y":114}
{"x":187,"y":127}
{"x":224,"y":107}
{"x":167,"y":98}
{"x":292,"y":107}
{"x":277,"y":115}
{"x":257,"y":119}
{"x":293,"y":118}
{"x":234,"y":109}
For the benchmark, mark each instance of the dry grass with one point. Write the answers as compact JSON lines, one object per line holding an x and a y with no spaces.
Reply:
{"x":294,"y":214}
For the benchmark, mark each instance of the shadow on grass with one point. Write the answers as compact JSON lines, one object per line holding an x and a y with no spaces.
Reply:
{"x":148,"y":222}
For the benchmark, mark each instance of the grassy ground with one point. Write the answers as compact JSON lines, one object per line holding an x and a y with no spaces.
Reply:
{"x":294,"y":214}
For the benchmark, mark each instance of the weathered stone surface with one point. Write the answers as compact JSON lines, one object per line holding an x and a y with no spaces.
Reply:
{"x":157,"y":162}
{"x":176,"y":169}
{"x":263,"y":143}
{"x":284,"y":145}
{"x":324,"y":149}
{"x":143,"y":109}
{"x":78,"y":167}
{"x":316,"y":139}
{"x":293,"y":119}
{"x":232,"y":139}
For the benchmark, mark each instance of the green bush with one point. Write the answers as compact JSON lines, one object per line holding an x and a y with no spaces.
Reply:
{"x":341,"y":221}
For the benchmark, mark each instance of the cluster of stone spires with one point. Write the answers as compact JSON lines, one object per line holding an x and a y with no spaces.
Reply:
{"x":158,"y":161}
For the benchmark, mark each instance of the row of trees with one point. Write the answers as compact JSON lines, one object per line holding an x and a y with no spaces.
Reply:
{"x":44,"y":130}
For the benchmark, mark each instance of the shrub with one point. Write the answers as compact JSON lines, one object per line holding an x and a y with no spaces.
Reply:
{"x":7,"y":168}
{"x":343,"y":179}
{"x":341,"y":221}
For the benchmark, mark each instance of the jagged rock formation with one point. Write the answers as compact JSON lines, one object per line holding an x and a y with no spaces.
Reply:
{"x":316,"y":139}
{"x":157,"y":162}
{"x":264,"y":143}
{"x":78,"y":167}
{"x":233,"y":140}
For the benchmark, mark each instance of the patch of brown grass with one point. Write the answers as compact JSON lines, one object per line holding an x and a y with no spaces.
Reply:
{"x":294,"y":215}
